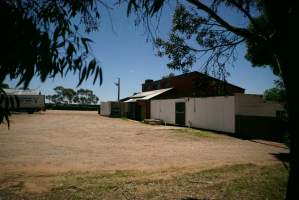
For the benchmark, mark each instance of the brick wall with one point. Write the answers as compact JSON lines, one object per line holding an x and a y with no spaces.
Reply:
{"x":193,"y":84}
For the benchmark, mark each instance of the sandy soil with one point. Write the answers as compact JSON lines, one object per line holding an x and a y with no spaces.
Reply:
{"x":61,"y":141}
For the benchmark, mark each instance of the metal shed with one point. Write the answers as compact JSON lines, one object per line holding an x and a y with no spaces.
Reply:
{"x":111,"y":109}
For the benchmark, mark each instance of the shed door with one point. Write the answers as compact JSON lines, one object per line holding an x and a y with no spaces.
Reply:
{"x":180,"y":113}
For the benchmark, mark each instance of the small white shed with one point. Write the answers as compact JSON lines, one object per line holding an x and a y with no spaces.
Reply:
{"x":105,"y":108}
{"x":111,"y":108}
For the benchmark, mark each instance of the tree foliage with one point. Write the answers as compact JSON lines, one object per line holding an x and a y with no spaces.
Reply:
{"x":170,"y":75}
{"x":261,"y":54}
{"x":85,"y":96}
{"x":47,"y":38}
{"x":277,"y":93}
{"x":7,"y":102}
{"x":199,"y":32}
{"x":70,"y":96}
{"x":189,"y":27}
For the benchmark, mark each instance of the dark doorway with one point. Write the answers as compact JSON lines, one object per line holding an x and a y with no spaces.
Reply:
{"x":137,"y":112}
{"x":180,"y":113}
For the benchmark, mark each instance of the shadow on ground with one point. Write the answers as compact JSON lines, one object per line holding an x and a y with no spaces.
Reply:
{"x":284,"y":158}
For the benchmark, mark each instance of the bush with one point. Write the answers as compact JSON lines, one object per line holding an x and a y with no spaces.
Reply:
{"x":73,"y":107}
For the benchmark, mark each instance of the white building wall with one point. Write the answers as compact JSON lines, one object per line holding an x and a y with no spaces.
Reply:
{"x":214,"y":113}
{"x":164,"y":109}
{"x":255,"y":105}
{"x":105,"y":108}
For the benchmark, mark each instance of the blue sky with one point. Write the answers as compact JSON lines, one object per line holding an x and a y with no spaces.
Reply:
{"x":125,"y":53}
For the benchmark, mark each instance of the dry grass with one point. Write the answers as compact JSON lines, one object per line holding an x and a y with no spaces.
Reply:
{"x":229,"y":182}
{"x":198,"y":132}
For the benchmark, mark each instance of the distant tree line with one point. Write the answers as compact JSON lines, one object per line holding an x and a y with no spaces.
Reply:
{"x":70,"y":96}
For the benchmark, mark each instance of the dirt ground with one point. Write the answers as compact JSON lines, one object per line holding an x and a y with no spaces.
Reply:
{"x":62,"y":141}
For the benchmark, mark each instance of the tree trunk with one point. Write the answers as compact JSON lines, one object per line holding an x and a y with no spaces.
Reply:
{"x":293,"y":113}
{"x":289,"y":65}
{"x":283,"y":15}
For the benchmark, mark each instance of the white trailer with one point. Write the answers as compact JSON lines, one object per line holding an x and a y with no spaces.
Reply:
{"x":23,"y":100}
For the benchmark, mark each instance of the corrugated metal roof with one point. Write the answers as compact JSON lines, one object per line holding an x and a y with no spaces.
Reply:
{"x":130,"y":100}
{"x":146,"y":95}
{"x":21,"y":92}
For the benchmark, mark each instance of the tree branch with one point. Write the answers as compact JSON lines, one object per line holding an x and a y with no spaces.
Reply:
{"x":238,"y":31}
{"x":214,"y":47}
{"x":247,"y":14}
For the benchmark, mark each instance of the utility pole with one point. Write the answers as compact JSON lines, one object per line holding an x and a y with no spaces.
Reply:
{"x":118,"y":88}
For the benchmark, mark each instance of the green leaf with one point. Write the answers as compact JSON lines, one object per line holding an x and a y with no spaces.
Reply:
{"x":78,"y":62}
{"x":61,"y":44}
{"x":97,"y":14}
{"x":85,"y":43}
{"x":156,"y":6}
{"x":132,"y":3}
{"x":56,"y":33}
{"x":96,"y":76}
{"x":91,"y":67}
{"x":101,"y":76}
{"x":82,"y":76}
{"x":70,"y":50}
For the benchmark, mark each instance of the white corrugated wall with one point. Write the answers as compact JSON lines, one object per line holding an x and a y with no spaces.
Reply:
{"x":214,"y":113}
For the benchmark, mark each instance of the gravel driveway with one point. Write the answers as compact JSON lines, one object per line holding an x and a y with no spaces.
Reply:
{"x":60,"y":141}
